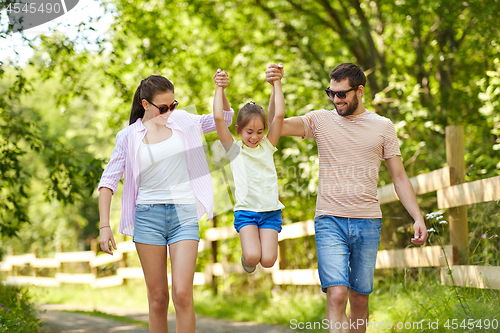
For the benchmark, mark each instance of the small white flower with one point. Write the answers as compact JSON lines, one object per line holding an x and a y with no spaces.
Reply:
{"x":429,"y":216}
{"x":431,"y":230}
{"x":443,"y":222}
{"x":434,"y":215}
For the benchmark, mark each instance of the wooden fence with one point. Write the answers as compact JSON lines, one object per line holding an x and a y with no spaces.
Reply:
{"x":451,"y":194}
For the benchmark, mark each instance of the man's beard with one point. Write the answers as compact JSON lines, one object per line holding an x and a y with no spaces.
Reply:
{"x":351,"y":108}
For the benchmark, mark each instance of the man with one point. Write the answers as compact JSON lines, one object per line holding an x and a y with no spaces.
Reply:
{"x":352,"y":142}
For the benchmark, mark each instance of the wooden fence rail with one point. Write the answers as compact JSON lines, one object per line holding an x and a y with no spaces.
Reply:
{"x":412,"y":257}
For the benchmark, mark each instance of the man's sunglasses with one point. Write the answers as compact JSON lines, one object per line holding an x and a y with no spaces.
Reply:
{"x":165,"y":109}
{"x":340,"y":94}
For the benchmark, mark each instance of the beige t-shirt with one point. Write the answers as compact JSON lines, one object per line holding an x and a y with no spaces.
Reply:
{"x":350,"y":152}
{"x":255,"y":179}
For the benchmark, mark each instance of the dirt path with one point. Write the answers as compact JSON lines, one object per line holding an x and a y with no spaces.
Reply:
{"x":67,"y":322}
{"x":55,"y":321}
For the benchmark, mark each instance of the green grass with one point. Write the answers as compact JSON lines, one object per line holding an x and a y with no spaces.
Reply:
{"x":130,"y":296}
{"x":122,"y":319}
{"x":417,"y":296}
{"x":17,"y":313}
{"x":400,"y":296}
{"x":400,"y":302}
{"x":271,"y":307}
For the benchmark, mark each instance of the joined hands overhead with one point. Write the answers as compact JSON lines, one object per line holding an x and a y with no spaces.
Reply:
{"x":221,"y":78}
{"x":274,"y":72}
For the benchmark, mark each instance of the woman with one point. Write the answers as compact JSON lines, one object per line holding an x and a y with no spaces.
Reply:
{"x":166,"y":190}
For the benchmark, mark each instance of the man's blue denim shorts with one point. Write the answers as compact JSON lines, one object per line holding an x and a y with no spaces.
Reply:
{"x":165,"y":224}
{"x":263,"y":220}
{"x":347,"y":251}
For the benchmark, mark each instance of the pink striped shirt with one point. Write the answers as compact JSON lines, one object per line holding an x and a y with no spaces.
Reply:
{"x":125,"y":160}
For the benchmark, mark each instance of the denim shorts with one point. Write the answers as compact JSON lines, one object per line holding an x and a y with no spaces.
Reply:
{"x":263,"y":220}
{"x":347,"y":251}
{"x":162,"y":224}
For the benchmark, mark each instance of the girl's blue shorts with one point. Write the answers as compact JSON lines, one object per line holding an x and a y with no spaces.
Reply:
{"x":263,"y":220}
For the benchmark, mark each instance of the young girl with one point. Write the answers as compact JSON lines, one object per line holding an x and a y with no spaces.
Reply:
{"x":167,"y":188}
{"x":257,"y":213}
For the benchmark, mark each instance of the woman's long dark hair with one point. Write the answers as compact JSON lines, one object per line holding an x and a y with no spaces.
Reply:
{"x":148,"y":89}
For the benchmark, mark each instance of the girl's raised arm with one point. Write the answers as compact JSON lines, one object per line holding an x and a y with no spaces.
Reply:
{"x":220,"y":102}
{"x":276,"y":123}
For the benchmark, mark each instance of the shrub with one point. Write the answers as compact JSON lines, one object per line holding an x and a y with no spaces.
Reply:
{"x":17,"y":313}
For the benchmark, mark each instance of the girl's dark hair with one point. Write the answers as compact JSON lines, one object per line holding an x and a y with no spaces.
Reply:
{"x":247,"y":112}
{"x":350,"y":71}
{"x":148,"y":89}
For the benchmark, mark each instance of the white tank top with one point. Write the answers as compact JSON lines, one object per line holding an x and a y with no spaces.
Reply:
{"x":164,"y":177}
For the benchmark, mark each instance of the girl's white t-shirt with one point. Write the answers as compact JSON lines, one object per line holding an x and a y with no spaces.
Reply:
{"x":164,"y":178}
{"x":255,"y":179}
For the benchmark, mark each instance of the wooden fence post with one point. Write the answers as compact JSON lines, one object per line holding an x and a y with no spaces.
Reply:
{"x":34,"y":250}
{"x":282,"y":254}
{"x":14,"y":268}
{"x":214,"y":257}
{"x":459,"y":228}
{"x":123,"y":262}
{"x":283,"y":264}
{"x":94,"y":248}
{"x":282,"y":251}
{"x":59,"y":249}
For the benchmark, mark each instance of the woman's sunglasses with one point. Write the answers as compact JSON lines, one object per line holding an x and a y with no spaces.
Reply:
{"x":340,"y":94}
{"x":165,"y":109}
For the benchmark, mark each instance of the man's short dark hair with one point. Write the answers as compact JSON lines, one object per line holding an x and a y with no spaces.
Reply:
{"x":349,"y":71}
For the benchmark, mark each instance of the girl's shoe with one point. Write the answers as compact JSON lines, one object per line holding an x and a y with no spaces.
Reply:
{"x":246,"y":267}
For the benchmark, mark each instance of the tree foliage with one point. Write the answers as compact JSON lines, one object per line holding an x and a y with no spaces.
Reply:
{"x":38,"y":158}
{"x":28,"y":152}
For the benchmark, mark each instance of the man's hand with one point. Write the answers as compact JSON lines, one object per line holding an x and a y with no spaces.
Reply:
{"x":274,"y":72}
{"x":221,"y":78}
{"x":420,"y":233}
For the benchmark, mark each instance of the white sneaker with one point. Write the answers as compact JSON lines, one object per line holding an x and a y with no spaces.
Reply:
{"x":247,"y":267}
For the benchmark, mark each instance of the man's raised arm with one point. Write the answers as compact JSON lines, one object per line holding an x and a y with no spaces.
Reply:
{"x":293,"y":126}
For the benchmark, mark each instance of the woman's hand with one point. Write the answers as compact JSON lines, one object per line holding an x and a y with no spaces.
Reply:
{"x":106,"y":236}
{"x":221,"y":78}
{"x":274,"y":72}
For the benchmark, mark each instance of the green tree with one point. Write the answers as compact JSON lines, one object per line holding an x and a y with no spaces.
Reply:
{"x":28,"y":152}
{"x":45,"y":156}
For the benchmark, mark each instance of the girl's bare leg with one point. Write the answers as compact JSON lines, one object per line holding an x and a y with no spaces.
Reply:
{"x":269,"y":247}
{"x":250,"y":244}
